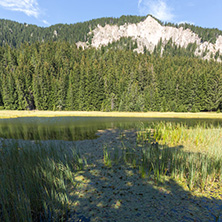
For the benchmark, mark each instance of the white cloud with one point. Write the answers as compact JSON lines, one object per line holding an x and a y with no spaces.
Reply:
{"x":45,"y":22}
{"x":139,"y":2}
{"x":29,"y":7}
{"x":157,"y":8}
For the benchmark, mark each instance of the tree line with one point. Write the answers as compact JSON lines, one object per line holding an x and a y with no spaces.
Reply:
{"x":58,"y":76}
{"x":14,"y":33}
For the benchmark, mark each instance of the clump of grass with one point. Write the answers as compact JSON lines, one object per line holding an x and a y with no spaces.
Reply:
{"x":126,"y":155}
{"x":106,"y":157}
{"x":200,"y":138}
{"x":34,"y":182}
{"x":192,"y":154}
{"x":195,"y":169}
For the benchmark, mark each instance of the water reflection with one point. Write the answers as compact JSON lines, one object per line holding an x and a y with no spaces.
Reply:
{"x":77,"y":128}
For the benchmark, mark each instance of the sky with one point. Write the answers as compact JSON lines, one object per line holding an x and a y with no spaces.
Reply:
{"x":204,"y":13}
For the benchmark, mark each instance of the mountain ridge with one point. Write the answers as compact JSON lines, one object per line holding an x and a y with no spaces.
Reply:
{"x":147,"y":31}
{"x":54,"y":74}
{"x":15,"y":33}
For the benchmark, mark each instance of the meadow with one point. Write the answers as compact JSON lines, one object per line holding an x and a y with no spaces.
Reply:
{"x":38,"y":113}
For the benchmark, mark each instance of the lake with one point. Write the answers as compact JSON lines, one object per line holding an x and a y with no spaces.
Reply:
{"x":78,"y":128}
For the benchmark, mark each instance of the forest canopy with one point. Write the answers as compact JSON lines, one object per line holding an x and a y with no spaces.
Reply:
{"x":14,"y":33}
{"x":58,"y":76}
{"x":41,"y":68}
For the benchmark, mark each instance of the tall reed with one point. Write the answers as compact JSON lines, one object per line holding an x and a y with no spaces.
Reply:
{"x":34,"y":182}
{"x":192,"y":154}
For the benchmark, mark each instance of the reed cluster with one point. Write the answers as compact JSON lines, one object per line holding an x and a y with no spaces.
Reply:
{"x":196,"y":170}
{"x":192,"y":155}
{"x":34,"y":182}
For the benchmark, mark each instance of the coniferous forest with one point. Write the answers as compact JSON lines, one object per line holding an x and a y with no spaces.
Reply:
{"x":14,"y":33}
{"x":58,"y":76}
{"x":41,"y":68}
{"x":60,"y":169}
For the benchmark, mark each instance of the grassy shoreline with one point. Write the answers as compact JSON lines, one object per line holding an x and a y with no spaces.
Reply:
{"x":4,"y":114}
{"x":168,"y":167}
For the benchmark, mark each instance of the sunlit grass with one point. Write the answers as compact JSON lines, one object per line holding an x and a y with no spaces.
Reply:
{"x":37,"y":113}
{"x":205,"y":139}
{"x":34,"y":182}
{"x":192,"y":155}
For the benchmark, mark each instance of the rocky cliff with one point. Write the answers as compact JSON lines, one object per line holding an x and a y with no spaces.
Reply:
{"x":150,"y":32}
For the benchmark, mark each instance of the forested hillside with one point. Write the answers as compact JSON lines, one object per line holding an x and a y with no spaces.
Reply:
{"x":206,"y":34}
{"x":42,"y":68}
{"x":14,"y":33}
{"x":58,"y":76}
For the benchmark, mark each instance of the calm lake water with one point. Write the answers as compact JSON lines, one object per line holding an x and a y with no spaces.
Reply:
{"x":77,"y":128}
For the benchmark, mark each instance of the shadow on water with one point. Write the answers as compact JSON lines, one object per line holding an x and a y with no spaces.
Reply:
{"x":118,"y":193}
{"x":77,"y":128}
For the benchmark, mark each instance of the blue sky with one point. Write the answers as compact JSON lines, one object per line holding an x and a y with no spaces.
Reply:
{"x":205,"y":13}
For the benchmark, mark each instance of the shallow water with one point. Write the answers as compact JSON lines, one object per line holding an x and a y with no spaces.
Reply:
{"x":77,"y":128}
{"x":169,"y":204}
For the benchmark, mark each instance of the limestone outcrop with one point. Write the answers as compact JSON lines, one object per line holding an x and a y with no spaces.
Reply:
{"x":149,"y":32}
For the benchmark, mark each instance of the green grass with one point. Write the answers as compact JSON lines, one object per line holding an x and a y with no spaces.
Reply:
{"x":196,"y":170}
{"x":34,"y":182}
{"x":192,"y":155}
{"x":201,"y":138}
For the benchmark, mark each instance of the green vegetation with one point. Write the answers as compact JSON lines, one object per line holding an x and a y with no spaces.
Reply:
{"x":191,"y":155}
{"x":34,"y":182}
{"x":206,"y":34}
{"x":58,"y":76}
{"x":46,"y":132}
{"x":123,"y":44}
{"x":171,"y":49}
{"x":169,"y":162}
{"x":14,"y":33}
{"x":41,"y":68}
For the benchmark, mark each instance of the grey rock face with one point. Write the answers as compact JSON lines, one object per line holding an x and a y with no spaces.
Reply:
{"x":148,"y":34}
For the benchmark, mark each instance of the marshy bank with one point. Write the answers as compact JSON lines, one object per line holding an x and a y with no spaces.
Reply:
{"x":159,"y":172}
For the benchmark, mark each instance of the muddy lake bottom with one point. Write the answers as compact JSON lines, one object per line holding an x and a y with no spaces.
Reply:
{"x":118,"y":193}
